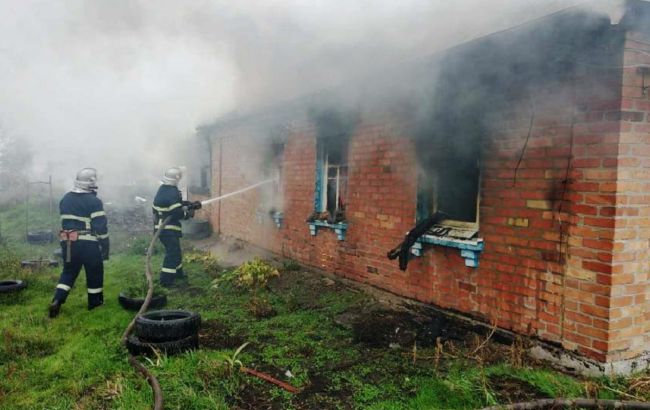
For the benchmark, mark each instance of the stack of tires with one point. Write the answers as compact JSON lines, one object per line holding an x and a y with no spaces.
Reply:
{"x":165,"y":331}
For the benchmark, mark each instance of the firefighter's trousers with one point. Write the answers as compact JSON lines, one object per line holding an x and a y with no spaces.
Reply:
{"x":86,"y":254}
{"x":172,"y":268}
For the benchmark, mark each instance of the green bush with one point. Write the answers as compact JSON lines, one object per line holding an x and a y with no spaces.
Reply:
{"x":251,"y":275}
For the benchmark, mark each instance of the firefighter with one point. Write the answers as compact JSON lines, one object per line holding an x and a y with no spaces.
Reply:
{"x":84,"y":241}
{"x":169,"y":203}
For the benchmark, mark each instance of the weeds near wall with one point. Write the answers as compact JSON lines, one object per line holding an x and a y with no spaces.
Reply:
{"x":252,"y":276}
{"x":208,"y":262}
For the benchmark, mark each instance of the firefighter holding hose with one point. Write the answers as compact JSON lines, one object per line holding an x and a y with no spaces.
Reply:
{"x":84,"y":241}
{"x":169,"y":203}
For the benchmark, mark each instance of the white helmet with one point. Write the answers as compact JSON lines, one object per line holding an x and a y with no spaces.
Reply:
{"x":86,"y":181}
{"x":172,"y":176}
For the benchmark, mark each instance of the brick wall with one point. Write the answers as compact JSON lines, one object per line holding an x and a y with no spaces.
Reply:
{"x":566,"y":228}
{"x":628,"y":307}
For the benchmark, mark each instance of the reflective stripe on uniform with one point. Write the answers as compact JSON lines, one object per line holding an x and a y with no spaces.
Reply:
{"x":167,"y":209}
{"x":168,"y":270}
{"x":63,"y":287}
{"x":171,"y":227}
{"x":77,"y":218}
{"x":102,"y":236}
{"x":95,"y":290}
{"x":97,"y":214}
{"x":88,"y":238}
{"x":179,"y":266}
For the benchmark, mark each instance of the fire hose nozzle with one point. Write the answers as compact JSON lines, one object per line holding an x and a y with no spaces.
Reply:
{"x":194,"y":205}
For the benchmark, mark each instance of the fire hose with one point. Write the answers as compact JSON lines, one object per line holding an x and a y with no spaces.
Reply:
{"x":574,"y":403}
{"x":151,"y":379}
{"x":248,"y":188}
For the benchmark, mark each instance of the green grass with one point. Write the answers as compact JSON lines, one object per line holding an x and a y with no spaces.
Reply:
{"x":76,"y":361}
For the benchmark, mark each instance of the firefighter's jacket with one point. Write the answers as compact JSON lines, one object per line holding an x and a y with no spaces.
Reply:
{"x":169,"y":202}
{"x":84,"y":213}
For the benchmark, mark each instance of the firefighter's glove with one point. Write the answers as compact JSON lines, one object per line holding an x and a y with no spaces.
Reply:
{"x":105,"y":246}
{"x":105,"y":253}
{"x":190,"y":208}
{"x":188,"y":212}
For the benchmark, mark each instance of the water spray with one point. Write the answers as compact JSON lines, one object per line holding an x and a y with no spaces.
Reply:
{"x":248,"y":188}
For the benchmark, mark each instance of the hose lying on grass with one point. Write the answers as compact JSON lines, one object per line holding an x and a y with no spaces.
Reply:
{"x":151,"y":379}
{"x":270,"y":379}
{"x":574,"y":404}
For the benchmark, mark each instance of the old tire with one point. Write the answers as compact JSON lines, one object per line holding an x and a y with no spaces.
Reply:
{"x":10,"y":285}
{"x":137,"y":346}
{"x":166,"y":325}
{"x":38,"y":237}
{"x":196,"y":228}
{"x":128,"y":303}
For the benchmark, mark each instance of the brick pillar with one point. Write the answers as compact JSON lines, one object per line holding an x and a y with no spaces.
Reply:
{"x":628,"y":304}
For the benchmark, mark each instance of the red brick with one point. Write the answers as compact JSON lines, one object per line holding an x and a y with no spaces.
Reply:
{"x":520,"y":277}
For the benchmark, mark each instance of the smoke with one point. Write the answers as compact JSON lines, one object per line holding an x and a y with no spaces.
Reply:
{"x":121,"y":85}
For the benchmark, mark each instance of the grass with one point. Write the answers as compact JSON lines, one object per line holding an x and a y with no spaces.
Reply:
{"x":76,"y":361}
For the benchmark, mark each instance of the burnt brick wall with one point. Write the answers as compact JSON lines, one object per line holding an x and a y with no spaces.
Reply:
{"x":566,"y":228}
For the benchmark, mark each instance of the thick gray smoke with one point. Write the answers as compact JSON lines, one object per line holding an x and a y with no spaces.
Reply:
{"x":122,"y":84}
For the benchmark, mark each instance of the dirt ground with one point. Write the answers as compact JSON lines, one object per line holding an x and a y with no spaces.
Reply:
{"x":382,"y":325}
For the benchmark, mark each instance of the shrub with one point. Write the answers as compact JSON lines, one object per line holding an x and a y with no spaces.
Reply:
{"x":209,"y":263}
{"x":251,"y":275}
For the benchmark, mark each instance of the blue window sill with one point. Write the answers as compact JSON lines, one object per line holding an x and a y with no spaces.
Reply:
{"x":339,"y":228}
{"x":470,"y":249}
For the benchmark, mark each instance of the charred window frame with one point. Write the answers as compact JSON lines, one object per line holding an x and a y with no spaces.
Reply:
{"x":332,"y":177}
{"x":449,"y":136}
{"x":451,"y":184}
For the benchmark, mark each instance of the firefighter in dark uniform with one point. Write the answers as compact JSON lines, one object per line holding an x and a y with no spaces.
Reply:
{"x":169,"y":203}
{"x":84,"y":241}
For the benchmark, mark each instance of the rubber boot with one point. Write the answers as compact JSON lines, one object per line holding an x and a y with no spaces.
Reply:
{"x":181,"y":279}
{"x":54,"y":309}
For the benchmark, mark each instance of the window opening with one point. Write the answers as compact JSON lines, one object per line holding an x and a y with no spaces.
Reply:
{"x":450,"y":183}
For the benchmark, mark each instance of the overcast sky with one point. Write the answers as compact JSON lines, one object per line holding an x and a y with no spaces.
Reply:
{"x":117,"y":83}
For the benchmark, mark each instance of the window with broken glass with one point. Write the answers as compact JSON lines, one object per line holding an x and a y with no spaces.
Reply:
{"x":449,"y":183}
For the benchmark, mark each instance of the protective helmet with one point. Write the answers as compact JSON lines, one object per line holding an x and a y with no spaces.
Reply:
{"x":86,"y":181}
{"x":172,"y":176}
